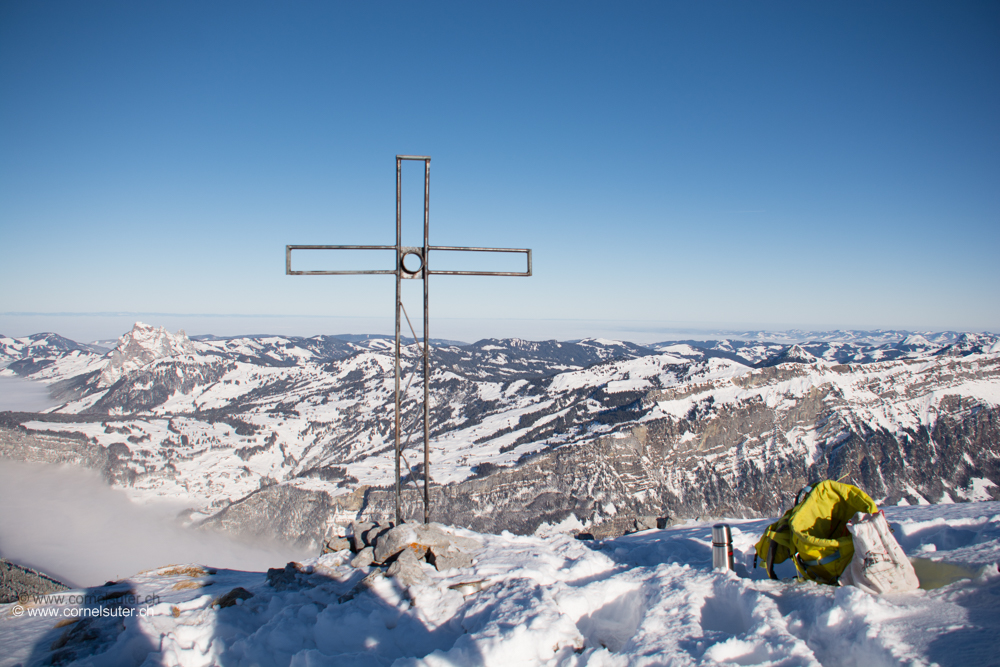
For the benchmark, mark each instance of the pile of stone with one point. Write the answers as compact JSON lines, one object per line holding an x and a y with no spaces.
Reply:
{"x":401,"y":549}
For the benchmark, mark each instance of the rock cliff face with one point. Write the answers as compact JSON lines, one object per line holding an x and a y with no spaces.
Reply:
{"x":622,"y":480}
{"x":140,"y":346}
{"x":34,"y":447}
{"x":278,"y":513}
{"x":743,"y":459}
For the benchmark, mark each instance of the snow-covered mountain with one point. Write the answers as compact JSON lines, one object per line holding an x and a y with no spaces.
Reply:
{"x":48,"y":357}
{"x":141,"y":346}
{"x":248,"y":431}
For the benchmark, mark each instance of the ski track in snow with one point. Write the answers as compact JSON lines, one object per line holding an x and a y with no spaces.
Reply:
{"x":649,"y":598}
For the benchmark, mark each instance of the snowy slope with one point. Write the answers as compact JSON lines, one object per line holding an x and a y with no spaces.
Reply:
{"x":48,"y":358}
{"x":686,"y":430}
{"x":649,"y":598}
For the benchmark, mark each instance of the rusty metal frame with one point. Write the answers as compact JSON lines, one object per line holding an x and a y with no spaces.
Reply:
{"x":404,"y":250}
{"x":402,"y":272}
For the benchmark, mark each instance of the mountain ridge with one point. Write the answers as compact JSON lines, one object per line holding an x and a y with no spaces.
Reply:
{"x":217,"y":421}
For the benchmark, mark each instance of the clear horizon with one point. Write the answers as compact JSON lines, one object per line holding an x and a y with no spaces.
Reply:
{"x":89,"y":328}
{"x":723,"y":166}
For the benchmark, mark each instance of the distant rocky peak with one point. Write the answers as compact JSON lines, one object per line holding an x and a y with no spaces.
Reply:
{"x":797,"y":353}
{"x":507,"y":343}
{"x":603,"y":342}
{"x":914,"y":342}
{"x":143,"y":345}
{"x":793,"y":355}
{"x":971,"y":343}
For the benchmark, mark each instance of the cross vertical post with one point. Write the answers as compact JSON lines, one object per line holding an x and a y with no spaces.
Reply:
{"x":411,"y":263}
{"x":400,"y":274}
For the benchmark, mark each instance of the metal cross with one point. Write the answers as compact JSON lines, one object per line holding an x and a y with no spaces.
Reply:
{"x":411,"y":263}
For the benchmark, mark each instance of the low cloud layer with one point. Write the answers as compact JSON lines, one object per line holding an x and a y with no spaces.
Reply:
{"x":68,"y":523}
{"x":20,"y":395}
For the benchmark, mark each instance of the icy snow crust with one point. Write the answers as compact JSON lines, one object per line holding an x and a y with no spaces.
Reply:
{"x":649,"y":598}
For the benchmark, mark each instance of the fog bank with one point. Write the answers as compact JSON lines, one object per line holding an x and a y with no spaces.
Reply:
{"x":20,"y":395}
{"x":69,"y":524}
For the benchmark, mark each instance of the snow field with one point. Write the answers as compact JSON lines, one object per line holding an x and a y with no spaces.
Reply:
{"x":648,"y":598}
{"x":316,"y":414}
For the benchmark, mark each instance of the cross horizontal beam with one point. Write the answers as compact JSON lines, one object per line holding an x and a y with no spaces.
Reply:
{"x":411,"y":264}
{"x":391,"y":272}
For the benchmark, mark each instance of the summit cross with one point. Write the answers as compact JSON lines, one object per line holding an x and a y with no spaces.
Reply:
{"x":412,"y":263}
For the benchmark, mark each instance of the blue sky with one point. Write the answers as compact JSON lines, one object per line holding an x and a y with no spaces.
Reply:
{"x":672,"y":165}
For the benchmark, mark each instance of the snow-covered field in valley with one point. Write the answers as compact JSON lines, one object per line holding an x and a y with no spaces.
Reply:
{"x":649,"y":598}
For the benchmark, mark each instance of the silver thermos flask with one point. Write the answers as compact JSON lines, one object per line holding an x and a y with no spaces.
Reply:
{"x":722,"y":547}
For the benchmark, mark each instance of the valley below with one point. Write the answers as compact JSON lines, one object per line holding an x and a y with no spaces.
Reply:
{"x":290,"y":439}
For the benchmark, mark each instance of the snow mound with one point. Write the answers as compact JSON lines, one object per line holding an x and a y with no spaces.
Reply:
{"x":914,"y":342}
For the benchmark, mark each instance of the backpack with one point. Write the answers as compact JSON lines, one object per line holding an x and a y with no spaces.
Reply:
{"x":814,"y":532}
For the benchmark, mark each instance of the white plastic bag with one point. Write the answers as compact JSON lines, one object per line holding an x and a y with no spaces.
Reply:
{"x":879,"y":564}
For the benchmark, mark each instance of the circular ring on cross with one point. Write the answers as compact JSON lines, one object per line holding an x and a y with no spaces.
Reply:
{"x":411,"y":263}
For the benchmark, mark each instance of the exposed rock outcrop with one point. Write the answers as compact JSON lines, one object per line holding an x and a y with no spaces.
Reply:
{"x":277,"y":513}
{"x":140,"y":346}
{"x":19,"y":583}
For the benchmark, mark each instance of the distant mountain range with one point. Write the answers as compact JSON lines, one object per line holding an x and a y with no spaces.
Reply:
{"x":283,"y":436}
